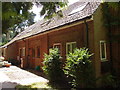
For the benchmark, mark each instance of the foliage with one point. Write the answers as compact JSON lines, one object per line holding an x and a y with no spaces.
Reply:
{"x":14,"y":62}
{"x":3,"y":43}
{"x":108,"y":81}
{"x":11,"y":15}
{"x":15,"y":17}
{"x":49,"y":9}
{"x":111,"y":14}
{"x":111,"y":20}
{"x":114,"y":5}
{"x":53,"y":67}
{"x":79,"y":67}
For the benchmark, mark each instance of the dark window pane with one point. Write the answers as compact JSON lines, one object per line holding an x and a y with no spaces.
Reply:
{"x":73,"y":46}
{"x":103,"y":50}
{"x":38,"y":51}
{"x":20,"y":53}
{"x":33,"y":52}
{"x":68,"y":48}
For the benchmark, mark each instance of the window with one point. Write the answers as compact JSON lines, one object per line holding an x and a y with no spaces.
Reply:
{"x":33,"y":52}
{"x":58,"y":45}
{"x":103,"y":50}
{"x":20,"y":52}
{"x":23,"y":51}
{"x":38,"y":51}
{"x":70,"y":47}
{"x":4,"y":52}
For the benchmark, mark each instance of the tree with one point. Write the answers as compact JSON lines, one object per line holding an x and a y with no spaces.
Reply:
{"x":15,"y":16}
{"x":14,"y":13}
{"x":49,"y":9}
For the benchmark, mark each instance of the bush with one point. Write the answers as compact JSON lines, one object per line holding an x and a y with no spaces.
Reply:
{"x":14,"y":62}
{"x":108,"y":81}
{"x":79,"y":67}
{"x":53,"y":67}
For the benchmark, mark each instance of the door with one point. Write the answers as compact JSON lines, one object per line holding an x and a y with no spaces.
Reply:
{"x":31,"y":58}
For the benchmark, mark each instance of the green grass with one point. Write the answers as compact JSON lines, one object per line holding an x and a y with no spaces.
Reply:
{"x":34,"y":86}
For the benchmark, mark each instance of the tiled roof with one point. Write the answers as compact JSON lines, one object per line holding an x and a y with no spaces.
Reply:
{"x":74,"y":12}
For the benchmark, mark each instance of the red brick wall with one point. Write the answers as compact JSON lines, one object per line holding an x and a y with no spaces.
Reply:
{"x":21,"y":45}
{"x":34,"y":42}
{"x":12,"y":51}
{"x":76,"y":33}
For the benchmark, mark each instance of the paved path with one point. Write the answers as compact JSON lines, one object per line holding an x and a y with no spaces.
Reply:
{"x":12,"y":76}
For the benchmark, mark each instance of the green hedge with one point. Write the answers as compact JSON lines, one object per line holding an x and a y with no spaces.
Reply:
{"x":53,"y":67}
{"x":79,"y":67}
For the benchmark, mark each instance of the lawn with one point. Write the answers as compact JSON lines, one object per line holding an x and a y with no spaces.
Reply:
{"x":34,"y":86}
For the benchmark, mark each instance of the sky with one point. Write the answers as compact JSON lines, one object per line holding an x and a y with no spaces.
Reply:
{"x":36,"y":10}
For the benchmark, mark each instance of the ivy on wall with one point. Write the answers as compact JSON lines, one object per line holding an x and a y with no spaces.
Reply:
{"x":111,"y":13}
{"x":111,"y":19}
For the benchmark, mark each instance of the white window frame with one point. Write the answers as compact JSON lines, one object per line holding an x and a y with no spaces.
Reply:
{"x":103,"y":59}
{"x":56,"y":44}
{"x":69,"y":43}
{"x":4,"y":52}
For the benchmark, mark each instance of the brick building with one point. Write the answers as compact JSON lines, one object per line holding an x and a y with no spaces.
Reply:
{"x":80,"y":26}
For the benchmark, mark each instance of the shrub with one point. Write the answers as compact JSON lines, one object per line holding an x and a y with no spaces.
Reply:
{"x":14,"y":62}
{"x":108,"y":81}
{"x":53,"y":67}
{"x":79,"y":67}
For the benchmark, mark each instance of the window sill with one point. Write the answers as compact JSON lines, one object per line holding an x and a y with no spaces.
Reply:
{"x":104,"y":60}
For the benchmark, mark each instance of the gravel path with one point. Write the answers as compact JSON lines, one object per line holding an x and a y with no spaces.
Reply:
{"x":12,"y":76}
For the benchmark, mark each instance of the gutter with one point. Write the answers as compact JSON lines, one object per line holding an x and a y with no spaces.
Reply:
{"x":88,"y":17}
{"x":83,"y":19}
